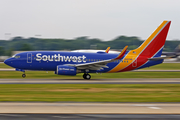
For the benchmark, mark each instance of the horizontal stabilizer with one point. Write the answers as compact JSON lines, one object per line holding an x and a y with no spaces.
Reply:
{"x":160,"y":58}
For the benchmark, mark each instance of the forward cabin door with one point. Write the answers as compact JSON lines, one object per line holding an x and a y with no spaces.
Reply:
{"x":29,"y":57}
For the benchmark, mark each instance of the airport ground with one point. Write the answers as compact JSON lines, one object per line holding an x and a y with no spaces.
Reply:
{"x":89,"y":116}
{"x":89,"y":111}
{"x":129,"y":95}
{"x":89,"y":108}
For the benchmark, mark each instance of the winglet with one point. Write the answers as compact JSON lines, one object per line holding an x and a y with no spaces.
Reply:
{"x":107,"y":50}
{"x":122,"y":53}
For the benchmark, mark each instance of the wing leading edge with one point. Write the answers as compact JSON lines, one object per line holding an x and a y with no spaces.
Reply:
{"x":100,"y":64}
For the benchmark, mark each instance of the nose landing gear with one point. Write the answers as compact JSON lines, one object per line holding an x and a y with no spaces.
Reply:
{"x":24,"y":75}
{"x":86,"y":76}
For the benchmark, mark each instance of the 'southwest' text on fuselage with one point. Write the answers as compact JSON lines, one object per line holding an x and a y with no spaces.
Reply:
{"x":58,"y":58}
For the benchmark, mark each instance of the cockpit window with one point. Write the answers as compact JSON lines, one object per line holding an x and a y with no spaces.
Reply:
{"x":16,"y":56}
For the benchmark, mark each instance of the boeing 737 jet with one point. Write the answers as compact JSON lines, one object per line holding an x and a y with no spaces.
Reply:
{"x":72,"y":63}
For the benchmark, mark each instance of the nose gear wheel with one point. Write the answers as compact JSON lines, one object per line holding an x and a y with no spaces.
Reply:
{"x":23,"y":75}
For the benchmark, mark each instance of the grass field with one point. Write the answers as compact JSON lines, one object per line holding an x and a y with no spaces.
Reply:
{"x":2,"y":65}
{"x":90,"y":92}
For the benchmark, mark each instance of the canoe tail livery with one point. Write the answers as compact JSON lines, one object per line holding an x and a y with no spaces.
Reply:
{"x":149,"y":49}
{"x":155,"y":43}
{"x":71,"y":63}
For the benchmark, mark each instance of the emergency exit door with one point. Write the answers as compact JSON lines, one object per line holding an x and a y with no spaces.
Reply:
{"x":29,"y":57}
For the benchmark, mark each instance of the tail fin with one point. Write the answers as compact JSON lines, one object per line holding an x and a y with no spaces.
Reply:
{"x":153,"y":46}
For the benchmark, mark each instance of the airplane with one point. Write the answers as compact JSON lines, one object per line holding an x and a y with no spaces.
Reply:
{"x":176,"y":52}
{"x":72,"y":63}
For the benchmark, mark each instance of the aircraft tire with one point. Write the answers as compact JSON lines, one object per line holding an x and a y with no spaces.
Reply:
{"x":84,"y":76}
{"x":87,"y":76}
{"x":23,"y":75}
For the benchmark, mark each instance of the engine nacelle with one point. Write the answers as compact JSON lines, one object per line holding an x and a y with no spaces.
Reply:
{"x":65,"y":70}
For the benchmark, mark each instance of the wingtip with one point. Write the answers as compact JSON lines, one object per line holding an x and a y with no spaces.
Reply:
{"x":107,"y":50}
{"x":122,"y":53}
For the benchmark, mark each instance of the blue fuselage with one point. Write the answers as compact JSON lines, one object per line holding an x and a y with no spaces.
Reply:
{"x":48,"y":61}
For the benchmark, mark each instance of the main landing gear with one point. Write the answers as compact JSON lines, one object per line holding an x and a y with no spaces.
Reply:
{"x":23,"y":75}
{"x":86,"y":76}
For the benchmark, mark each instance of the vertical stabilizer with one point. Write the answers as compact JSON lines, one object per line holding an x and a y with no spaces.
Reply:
{"x":155,"y":42}
{"x":150,"y":48}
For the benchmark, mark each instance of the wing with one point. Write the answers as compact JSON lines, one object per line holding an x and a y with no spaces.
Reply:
{"x":99,"y":64}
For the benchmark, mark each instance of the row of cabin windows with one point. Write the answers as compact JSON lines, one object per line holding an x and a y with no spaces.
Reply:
{"x":90,"y":60}
{"x":102,"y":60}
{"x":98,"y":60}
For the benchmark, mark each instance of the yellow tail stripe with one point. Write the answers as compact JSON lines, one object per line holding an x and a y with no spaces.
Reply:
{"x":139,"y":49}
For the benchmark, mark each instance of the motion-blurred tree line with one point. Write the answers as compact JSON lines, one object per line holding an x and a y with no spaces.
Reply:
{"x":28,"y":44}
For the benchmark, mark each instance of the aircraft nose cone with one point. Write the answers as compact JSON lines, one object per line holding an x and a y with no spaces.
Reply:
{"x":7,"y":61}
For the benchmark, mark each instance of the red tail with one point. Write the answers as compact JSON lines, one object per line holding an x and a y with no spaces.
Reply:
{"x":155,"y":42}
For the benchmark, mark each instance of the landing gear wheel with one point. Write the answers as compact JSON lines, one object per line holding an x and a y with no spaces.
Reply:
{"x":87,"y":76}
{"x":84,"y":75}
{"x":23,"y":75}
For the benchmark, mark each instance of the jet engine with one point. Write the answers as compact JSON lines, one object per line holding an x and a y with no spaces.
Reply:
{"x":65,"y":70}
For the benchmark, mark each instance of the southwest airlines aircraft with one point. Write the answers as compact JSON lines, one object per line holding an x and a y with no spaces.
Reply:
{"x":72,"y":63}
